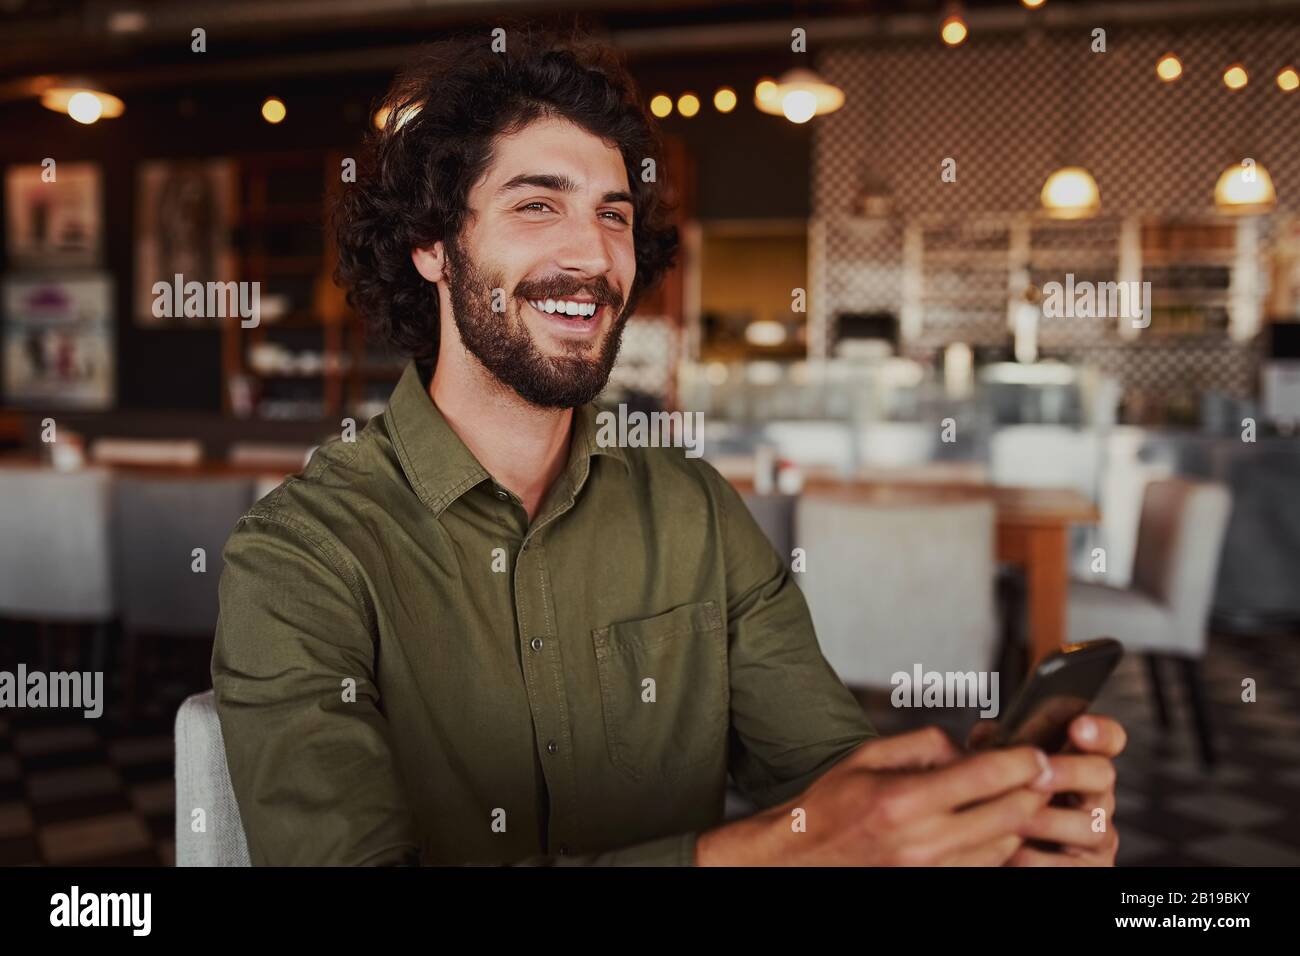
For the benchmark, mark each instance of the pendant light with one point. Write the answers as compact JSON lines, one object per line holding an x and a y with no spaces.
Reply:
{"x":82,"y":100}
{"x":1244,"y":189}
{"x":1071,"y":192}
{"x":798,"y":95}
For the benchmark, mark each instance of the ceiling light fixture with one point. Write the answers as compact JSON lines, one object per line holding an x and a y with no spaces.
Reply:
{"x":799,"y":95}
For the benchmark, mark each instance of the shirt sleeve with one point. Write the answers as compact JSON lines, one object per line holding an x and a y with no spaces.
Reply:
{"x":792,"y":718}
{"x":293,"y":673}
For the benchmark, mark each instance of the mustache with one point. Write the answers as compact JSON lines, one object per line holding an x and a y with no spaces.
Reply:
{"x":563,"y":287}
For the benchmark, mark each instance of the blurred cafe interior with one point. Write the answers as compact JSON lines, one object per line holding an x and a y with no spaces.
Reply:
{"x":992,"y":310}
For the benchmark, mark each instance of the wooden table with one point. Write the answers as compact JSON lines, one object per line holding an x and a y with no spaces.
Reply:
{"x":1033,"y":527}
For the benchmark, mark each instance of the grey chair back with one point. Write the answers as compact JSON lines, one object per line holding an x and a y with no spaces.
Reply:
{"x":158,"y":522}
{"x":214,"y":836}
{"x":55,"y":558}
{"x":892,"y":586}
{"x":774,"y":513}
{"x":1180,"y":539}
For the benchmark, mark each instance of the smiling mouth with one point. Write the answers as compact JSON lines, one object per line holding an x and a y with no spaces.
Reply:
{"x":567,"y":308}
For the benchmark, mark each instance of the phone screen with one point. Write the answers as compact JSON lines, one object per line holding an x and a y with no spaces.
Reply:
{"x":1047,"y":723}
{"x":1062,"y":687}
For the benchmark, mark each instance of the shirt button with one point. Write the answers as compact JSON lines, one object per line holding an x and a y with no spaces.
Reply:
{"x":503,"y":495}
{"x":536,"y":643}
{"x":525,"y":547}
{"x":551,"y":747}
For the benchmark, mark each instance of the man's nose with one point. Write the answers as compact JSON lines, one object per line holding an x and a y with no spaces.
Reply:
{"x":585,"y":250}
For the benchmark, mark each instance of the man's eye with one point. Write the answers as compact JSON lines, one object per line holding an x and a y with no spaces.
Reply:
{"x":618,"y":215}
{"x":536,"y":202}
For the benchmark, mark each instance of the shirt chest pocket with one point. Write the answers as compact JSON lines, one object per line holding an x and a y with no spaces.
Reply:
{"x":664,"y":691}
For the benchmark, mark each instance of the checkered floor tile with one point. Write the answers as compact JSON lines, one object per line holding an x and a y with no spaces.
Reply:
{"x":1172,"y":812}
{"x":83,"y":792}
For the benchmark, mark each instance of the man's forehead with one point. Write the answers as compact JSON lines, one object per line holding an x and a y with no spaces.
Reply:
{"x":555,"y":154}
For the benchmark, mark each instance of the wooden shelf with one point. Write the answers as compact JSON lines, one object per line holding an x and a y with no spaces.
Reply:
{"x":322,"y":311}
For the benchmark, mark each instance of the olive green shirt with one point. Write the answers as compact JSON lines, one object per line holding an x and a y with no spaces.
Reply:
{"x":409,"y":671}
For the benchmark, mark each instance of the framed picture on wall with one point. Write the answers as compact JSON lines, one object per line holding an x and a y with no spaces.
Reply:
{"x":59,"y":348}
{"x":54,"y":217}
{"x":184,"y":214}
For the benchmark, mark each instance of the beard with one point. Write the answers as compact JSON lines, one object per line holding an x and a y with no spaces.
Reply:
{"x":503,"y":344}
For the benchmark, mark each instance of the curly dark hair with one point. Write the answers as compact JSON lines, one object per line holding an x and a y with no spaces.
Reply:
{"x":444,"y":114}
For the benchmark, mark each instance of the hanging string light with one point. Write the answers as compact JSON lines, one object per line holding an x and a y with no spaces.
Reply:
{"x":1169,"y":67}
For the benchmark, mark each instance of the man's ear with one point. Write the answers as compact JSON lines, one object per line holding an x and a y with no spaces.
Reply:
{"x":430,"y":261}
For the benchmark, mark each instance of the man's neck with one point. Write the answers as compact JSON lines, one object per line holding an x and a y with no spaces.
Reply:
{"x":523,"y":447}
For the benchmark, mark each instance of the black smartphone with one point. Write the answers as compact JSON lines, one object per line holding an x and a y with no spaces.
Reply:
{"x":1062,"y":687}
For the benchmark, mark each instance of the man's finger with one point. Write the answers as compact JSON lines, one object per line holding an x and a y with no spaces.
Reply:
{"x":951,"y":833}
{"x":994,"y":853}
{"x":1095,"y":734}
{"x":981,"y":776}
{"x":1067,"y":827}
{"x":1029,"y":856}
{"x":1082,"y":774}
{"x":916,"y":750}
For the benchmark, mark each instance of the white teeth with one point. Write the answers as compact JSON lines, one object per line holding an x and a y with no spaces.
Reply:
{"x":564,"y":307}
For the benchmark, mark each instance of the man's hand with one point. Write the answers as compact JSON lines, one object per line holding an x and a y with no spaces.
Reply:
{"x":1083,"y":777}
{"x":1089,"y":777}
{"x":909,"y":800}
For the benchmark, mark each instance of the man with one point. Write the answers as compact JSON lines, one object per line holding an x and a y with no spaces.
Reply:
{"x":475,"y":635}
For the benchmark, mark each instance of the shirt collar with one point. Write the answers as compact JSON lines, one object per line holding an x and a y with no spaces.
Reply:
{"x":438,"y":464}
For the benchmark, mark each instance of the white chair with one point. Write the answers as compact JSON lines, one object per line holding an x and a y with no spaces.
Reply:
{"x":896,"y":444}
{"x":1046,"y":456}
{"x":892,"y":586}
{"x":813,"y":443}
{"x":1051,"y":456}
{"x":55,"y":556}
{"x":158,"y":521}
{"x":1123,"y":483}
{"x":203,"y":783}
{"x":1163,"y":613}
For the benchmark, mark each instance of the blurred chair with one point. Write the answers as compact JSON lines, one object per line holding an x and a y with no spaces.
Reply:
{"x":55,"y":555}
{"x":203,"y":783}
{"x":896,"y":444}
{"x":159,"y":522}
{"x":813,"y":443}
{"x":1257,"y":587}
{"x":1163,"y":613}
{"x":146,"y":451}
{"x":775,"y":515}
{"x":1046,"y":456}
{"x":892,"y":586}
{"x":1051,"y":456}
{"x":1124,"y":478}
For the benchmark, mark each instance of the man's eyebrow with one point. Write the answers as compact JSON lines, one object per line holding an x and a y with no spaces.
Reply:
{"x":558,"y":182}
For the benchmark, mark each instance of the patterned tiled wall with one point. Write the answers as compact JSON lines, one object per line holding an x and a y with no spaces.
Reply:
{"x":1000,"y":107}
